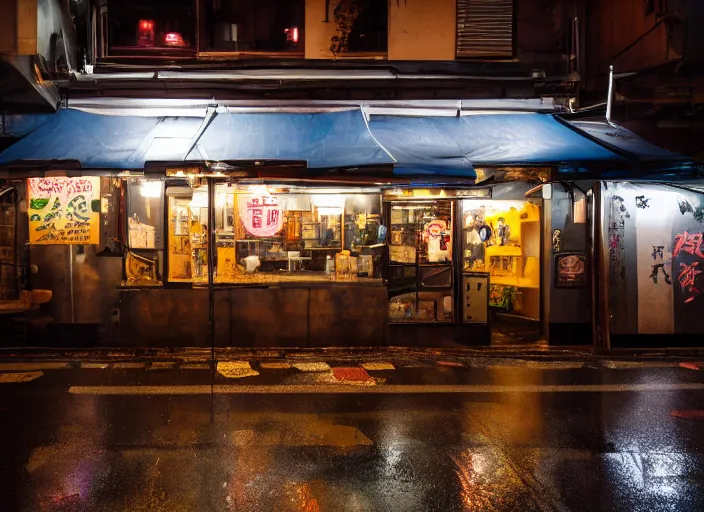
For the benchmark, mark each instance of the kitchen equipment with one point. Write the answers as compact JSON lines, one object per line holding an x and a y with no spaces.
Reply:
{"x":311,"y":231}
{"x":295,"y":259}
{"x":251,"y":264}
{"x":329,"y":265}
{"x":364,"y":266}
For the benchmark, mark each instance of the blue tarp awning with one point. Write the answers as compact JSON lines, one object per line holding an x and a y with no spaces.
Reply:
{"x":625,"y":141}
{"x":323,"y":139}
{"x":98,"y":141}
{"x":484,"y":139}
{"x":449,"y":146}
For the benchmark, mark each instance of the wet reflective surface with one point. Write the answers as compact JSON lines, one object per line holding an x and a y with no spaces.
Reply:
{"x":353,"y":452}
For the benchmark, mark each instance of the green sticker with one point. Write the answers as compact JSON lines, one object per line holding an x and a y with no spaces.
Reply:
{"x":38,"y":203}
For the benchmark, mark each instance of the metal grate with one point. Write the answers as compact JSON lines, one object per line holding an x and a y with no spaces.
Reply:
{"x":484,"y":28}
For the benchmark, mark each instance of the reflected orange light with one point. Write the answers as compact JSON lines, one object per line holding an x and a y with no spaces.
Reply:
{"x":306,"y":501}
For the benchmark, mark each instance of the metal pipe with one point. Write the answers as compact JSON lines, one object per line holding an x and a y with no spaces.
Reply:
{"x":610,"y":98}
{"x":599,"y":275}
{"x":211,"y":264}
{"x":70,"y":283}
{"x":593,"y":253}
{"x":534,"y":190}
{"x":577,"y":60}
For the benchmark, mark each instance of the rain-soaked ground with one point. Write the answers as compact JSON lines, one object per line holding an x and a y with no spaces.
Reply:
{"x":403,"y":436}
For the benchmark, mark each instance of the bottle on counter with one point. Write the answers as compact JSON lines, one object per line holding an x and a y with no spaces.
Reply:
{"x":329,"y":265}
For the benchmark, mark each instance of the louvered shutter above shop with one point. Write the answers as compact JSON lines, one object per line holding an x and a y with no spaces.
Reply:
{"x":485,"y":28}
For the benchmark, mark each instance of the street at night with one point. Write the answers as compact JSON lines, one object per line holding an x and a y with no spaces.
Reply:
{"x":405,"y":433}
{"x":351,"y":255}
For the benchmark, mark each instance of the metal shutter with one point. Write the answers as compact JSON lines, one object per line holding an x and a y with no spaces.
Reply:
{"x":485,"y":28}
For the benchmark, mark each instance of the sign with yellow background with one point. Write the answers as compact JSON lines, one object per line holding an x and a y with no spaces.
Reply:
{"x":64,"y":211}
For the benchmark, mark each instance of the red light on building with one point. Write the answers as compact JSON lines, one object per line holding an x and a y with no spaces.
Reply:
{"x":174,"y":39}
{"x":145,"y":33}
{"x":291,"y":35}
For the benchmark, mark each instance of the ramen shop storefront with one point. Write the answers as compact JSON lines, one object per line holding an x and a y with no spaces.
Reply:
{"x":292,"y":265}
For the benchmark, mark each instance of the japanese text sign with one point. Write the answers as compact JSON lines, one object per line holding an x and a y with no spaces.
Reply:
{"x":64,"y":210}
{"x":262,"y":215}
{"x":689,"y":271}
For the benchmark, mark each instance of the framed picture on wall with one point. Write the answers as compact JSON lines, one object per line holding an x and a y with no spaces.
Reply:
{"x":571,"y":270}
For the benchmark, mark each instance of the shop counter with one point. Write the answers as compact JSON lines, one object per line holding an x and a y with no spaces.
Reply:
{"x":304,"y":312}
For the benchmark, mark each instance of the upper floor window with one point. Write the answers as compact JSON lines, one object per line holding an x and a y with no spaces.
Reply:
{"x":252,"y":25}
{"x":164,"y":25}
{"x":485,"y":28}
{"x":361,"y":26}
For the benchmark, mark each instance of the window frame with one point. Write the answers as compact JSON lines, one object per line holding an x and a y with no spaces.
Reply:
{"x":214,"y":54}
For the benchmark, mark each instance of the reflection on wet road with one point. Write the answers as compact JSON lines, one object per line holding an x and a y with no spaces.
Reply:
{"x":615,"y":450}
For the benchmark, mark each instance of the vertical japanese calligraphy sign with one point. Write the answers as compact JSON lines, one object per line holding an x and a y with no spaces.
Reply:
{"x":64,"y":211}
{"x":261,"y":214}
{"x":688,"y":264}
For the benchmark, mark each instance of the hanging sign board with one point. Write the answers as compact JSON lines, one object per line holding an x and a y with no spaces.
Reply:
{"x":261,"y":214}
{"x":64,"y":211}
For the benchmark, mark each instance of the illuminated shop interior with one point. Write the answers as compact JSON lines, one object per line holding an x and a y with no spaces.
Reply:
{"x":502,"y":238}
{"x":263,"y":234}
{"x":422,"y":245}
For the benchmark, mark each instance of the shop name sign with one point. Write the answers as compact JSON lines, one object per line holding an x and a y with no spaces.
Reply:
{"x":262,"y":215}
{"x":64,"y":210}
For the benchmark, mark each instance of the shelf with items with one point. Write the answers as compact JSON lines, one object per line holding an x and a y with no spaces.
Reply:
{"x":502,"y":238}
{"x":511,"y":253}
{"x":518,"y":282}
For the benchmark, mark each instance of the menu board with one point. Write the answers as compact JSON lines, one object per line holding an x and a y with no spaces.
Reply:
{"x":64,"y":211}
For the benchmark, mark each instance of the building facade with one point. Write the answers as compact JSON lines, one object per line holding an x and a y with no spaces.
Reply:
{"x":309,"y":173}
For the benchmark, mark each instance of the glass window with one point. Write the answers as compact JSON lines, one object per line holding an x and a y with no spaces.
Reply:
{"x":252,"y":25}
{"x":188,"y":234}
{"x":8,"y":223}
{"x":145,"y":243}
{"x":164,"y":25}
{"x":146,"y":213}
{"x":420,"y":254}
{"x":360,"y":26}
{"x":274,"y":233}
{"x":421,"y":233}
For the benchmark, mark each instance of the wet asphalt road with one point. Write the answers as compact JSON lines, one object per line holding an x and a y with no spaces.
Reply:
{"x":321,"y":450}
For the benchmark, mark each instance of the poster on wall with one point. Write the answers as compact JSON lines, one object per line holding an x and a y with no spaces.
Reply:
{"x":261,"y":214}
{"x":64,"y":211}
{"x":571,"y":270}
{"x":687,"y":242}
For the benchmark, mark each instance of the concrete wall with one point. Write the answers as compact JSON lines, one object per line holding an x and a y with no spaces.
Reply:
{"x":422,"y":30}
{"x":543,"y":33}
{"x":427,"y":29}
{"x":653,"y":254}
{"x":26,"y":26}
{"x":30,"y":27}
{"x":611,"y":27}
{"x":335,"y":315}
{"x":8,"y":27}
{"x":317,"y":32}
